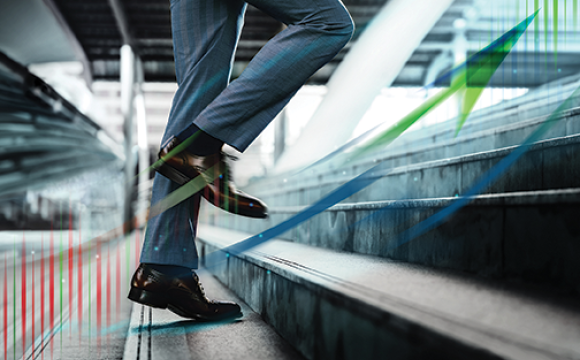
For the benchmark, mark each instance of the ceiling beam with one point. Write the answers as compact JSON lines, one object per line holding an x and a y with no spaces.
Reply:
{"x":123,"y":23}
{"x":74,"y":41}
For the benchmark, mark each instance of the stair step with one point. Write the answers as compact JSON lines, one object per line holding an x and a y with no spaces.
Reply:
{"x":159,"y":334}
{"x":525,"y":235}
{"x":488,"y":119}
{"x":546,"y":165}
{"x":332,"y":304}
{"x":536,"y":104}
{"x":434,"y":148}
{"x":488,"y":129}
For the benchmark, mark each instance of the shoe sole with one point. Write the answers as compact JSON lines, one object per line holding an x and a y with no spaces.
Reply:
{"x":200,"y":317}
{"x":256,"y":214}
{"x":159,"y":301}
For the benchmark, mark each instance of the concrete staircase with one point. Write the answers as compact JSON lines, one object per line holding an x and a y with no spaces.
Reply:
{"x":498,"y":278}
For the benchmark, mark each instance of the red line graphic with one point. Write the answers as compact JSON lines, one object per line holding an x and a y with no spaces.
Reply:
{"x":42,"y":280}
{"x":23,"y":303}
{"x":108,"y":310}
{"x":99,"y":281}
{"x":118,"y":287}
{"x":33,"y":317}
{"x":80,"y":281}
{"x":70,"y":265}
{"x":5,"y":307}
{"x":51,"y":293}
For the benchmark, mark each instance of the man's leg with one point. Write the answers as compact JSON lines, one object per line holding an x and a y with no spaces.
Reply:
{"x":205,"y":33}
{"x":317,"y":30}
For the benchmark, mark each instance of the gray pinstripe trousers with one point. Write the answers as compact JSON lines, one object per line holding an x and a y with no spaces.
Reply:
{"x":205,"y":35}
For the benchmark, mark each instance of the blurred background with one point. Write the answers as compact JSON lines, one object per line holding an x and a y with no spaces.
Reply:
{"x":86,"y":88}
{"x":75,"y":47}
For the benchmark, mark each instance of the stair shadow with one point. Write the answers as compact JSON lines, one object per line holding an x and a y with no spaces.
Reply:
{"x":178,"y":327}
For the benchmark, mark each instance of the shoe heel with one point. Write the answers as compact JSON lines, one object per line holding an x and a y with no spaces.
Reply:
{"x":148,"y":298}
{"x":172,"y":174}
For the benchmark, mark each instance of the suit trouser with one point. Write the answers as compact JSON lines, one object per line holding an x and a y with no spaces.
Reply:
{"x":205,"y":35}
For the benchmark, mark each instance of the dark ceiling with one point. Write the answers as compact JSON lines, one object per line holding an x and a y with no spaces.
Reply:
{"x":93,"y":22}
{"x":148,"y":25}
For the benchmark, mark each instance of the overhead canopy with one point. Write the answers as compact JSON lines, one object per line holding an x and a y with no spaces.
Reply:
{"x":30,"y":33}
{"x":89,"y":31}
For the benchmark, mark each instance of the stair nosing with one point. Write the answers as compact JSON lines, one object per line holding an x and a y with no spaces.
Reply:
{"x":516,"y":198}
{"x":484,"y":155}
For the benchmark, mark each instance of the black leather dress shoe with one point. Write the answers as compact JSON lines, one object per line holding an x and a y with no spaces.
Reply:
{"x":182,"y":295}
{"x":220,"y":189}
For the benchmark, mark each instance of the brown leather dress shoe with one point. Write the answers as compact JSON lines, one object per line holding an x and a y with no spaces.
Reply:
{"x":220,"y":190}
{"x":182,"y":295}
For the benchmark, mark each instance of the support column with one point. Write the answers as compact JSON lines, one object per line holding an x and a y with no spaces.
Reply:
{"x":143,"y":145}
{"x":127,"y":101}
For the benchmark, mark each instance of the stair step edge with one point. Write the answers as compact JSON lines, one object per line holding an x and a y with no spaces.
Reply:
{"x":466,"y":309}
{"x":485,"y":155}
{"x":543,"y":197}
